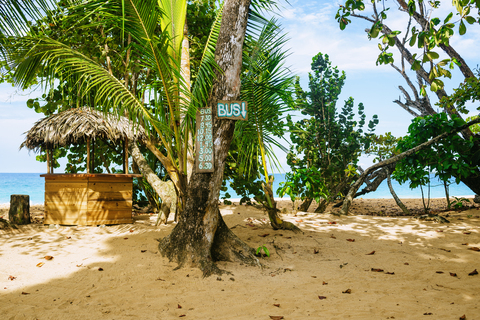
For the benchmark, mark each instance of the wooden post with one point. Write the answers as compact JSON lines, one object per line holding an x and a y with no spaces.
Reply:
{"x":125,"y":156}
{"x":19,"y":212}
{"x":92,"y":158}
{"x":49,"y":169}
{"x":88,"y":155}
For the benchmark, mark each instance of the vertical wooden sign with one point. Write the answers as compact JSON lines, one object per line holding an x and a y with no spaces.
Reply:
{"x":204,"y":141}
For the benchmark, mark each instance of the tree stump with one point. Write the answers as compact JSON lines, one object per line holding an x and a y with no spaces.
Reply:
{"x":19,"y":209}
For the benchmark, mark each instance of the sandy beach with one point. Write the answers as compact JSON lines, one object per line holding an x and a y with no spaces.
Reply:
{"x":374,"y":264}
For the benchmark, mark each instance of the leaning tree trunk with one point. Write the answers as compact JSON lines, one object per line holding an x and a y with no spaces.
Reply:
{"x":201,"y":236}
{"x":394,"y":195}
{"x":354,"y":188}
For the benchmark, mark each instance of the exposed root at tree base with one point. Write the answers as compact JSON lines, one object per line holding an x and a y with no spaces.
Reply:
{"x":285,"y":225}
{"x":187,"y":249}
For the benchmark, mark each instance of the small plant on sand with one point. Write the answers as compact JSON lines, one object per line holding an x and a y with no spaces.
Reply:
{"x":460,"y":203}
{"x":263,"y":248}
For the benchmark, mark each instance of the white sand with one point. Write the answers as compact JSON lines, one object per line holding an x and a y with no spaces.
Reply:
{"x":138,"y":283}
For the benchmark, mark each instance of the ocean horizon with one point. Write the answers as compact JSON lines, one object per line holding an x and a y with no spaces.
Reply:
{"x":34,"y":185}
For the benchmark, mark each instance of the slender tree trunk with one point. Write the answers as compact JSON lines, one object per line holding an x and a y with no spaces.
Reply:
{"x":305,"y":205}
{"x":201,"y":236}
{"x":394,"y":195}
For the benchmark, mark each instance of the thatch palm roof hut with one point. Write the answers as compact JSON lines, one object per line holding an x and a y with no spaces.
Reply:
{"x":86,"y":198}
{"x":79,"y":126}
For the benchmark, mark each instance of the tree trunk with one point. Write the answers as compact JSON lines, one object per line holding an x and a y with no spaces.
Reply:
{"x":394,"y":195}
{"x":19,"y":212}
{"x":305,"y":205}
{"x":201,"y":236}
{"x":354,"y":188}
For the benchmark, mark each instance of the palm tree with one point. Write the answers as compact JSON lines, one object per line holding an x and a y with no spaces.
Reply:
{"x":266,"y":86}
{"x":201,"y":236}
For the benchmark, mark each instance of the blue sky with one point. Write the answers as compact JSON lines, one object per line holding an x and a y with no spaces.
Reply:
{"x":312,"y":28}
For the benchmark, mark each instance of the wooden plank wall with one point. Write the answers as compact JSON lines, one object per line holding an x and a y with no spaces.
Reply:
{"x":88,"y":200}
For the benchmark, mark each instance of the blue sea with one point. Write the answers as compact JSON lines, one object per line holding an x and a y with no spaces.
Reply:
{"x":34,"y":185}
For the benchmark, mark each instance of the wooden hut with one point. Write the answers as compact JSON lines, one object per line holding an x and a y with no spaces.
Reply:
{"x":84,"y":198}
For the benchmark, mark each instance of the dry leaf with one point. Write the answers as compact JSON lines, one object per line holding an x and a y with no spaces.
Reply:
{"x":263,"y":235}
{"x":25,"y":292}
{"x":40,"y":264}
{"x":389,"y":272}
{"x":131,"y":230}
{"x":315,"y":251}
{"x":144,"y":250}
{"x":288,"y":237}
{"x":48,"y":257}
{"x":125,"y":238}
{"x":376,"y":270}
{"x":474,"y":248}
{"x":445,"y":250}
{"x":439,"y":272}
{"x":160,"y":279}
{"x":427,"y":314}
{"x":462,"y":317}
{"x":179,"y":306}
{"x":453,"y":274}
{"x":464,"y":244}
{"x":100,"y":269}
{"x":371,"y":253}
{"x":314,"y":277}
{"x":332,"y":222}
{"x":322,"y":297}
{"x":182,"y":315}
{"x":351,"y":240}
{"x":467,"y":232}
{"x":29,"y":238}
{"x":300,"y":220}
{"x":276,"y":317}
{"x":333,"y":237}
{"x":11,"y":278}
{"x":324,"y":283}
{"x":277,"y":305}
{"x":68,"y":237}
{"x":474,"y":272}
{"x":79,"y":265}
{"x":347,"y":291}
{"x":406,"y":263}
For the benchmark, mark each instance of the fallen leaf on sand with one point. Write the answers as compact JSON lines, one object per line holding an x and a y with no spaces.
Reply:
{"x":347,"y":291}
{"x":474,"y":248}
{"x":333,"y":237}
{"x":179,"y":306}
{"x":376,"y":270}
{"x":332,"y":222}
{"x":48,"y":257}
{"x":300,"y":220}
{"x":351,"y":240}
{"x":389,"y":272}
{"x":159,"y":279}
{"x":467,"y":232}
{"x":406,"y":263}
{"x":277,"y":305}
{"x":439,"y":272}
{"x":11,"y":278}
{"x":40,"y":264}
{"x":315,"y":251}
{"x":182,"y":315}
{"x":322,"y":297}
{"x":314,"y":277}
{"x":371,"y":253}
{"x":474,"y":272}
{"x":324,"y":283}
{"x":68,"y":237}
{"x":125,"y":238}
{"x":79,"y":265}
{"x":100,"y":269}
{"x":464,"y":244}
{"x":453,"y":274}
{"x":29,"y":238}
{"x":144,"y":251}
{"x":276,"y":317}
{"x":462,"y":317}
{"x":131,"y":230}
{"x":427,"y":314}
{"x":25,"y":292}
{"x":263,"y":235}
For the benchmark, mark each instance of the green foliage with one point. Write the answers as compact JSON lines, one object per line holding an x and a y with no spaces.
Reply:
{"x":446,"y":158}
{"x":326,"y":144}
{"x":436,"y":32}
{"x":264,"y":249}
{"x":460,"y":203}
{"x":382,"y":146}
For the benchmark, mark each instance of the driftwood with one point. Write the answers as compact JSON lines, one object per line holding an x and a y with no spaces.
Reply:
{"x":353,"y":189}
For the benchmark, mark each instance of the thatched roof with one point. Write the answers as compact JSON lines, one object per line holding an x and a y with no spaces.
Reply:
{"x":74,"y":126}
